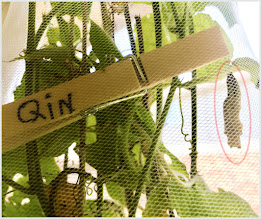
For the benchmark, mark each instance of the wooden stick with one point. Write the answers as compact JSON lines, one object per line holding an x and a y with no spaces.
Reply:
{"x":29,"y":118}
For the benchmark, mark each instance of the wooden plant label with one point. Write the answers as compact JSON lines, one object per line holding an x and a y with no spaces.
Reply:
{"x":31,"y":117}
